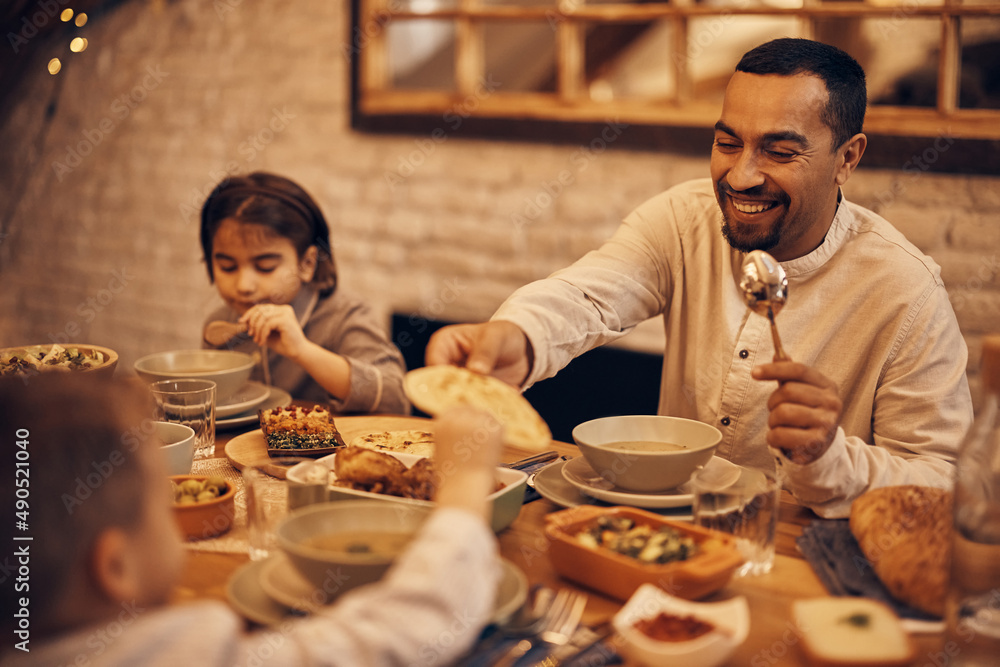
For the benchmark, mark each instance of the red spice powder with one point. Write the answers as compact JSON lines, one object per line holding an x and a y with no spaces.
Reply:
{"x":670,"y":628}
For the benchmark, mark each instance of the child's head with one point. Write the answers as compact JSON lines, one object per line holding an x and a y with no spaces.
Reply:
{"x":263,"y":237}
{"x":97,"y":503}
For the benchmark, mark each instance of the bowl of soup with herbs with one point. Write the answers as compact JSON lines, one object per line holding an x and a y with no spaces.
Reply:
{"x":340,"y":545}
{"x":646,"y":453}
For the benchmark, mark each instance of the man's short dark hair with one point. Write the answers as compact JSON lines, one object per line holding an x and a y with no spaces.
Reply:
{"x":843,"y":76}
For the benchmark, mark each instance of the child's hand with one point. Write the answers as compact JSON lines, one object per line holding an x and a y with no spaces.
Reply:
{"x":277,"y":327}
{"x":466,"y":454}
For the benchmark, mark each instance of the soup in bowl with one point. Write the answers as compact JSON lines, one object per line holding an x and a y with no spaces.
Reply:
{"x":337,"y":546}
{"x":646,"y":453}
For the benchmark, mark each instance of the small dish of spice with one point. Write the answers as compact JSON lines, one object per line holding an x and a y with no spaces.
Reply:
{"x":659,"y":629}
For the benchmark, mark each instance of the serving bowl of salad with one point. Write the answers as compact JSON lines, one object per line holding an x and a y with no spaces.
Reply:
{"x":55,"y":357}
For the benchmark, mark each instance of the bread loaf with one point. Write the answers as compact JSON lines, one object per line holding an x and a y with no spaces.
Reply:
{"x":905,"y":532}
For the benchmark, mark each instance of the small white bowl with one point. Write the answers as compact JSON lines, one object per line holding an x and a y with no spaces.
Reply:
{"x":600,"y":443}
{"x":731,"y":619}
{"x":178,"y":446}
{"x":229,"y":370}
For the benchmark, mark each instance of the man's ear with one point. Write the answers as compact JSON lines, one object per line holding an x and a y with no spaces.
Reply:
{"x":307,"y":265}
{"x":113,"y":567}
{"x":850,"y":154}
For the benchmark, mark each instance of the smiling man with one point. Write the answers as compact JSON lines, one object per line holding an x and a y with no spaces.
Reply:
{"x":876,"y":393}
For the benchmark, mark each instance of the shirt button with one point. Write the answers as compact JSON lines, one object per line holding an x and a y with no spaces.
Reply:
{"x":725,"y":421}
{"x":744,"y":354}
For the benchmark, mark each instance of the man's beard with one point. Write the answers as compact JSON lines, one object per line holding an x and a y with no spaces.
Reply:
{"x":746,"y":238}
{"x":757,"y":240}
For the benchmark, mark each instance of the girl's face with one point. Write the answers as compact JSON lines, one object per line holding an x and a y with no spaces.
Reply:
{"x":252,"y":264}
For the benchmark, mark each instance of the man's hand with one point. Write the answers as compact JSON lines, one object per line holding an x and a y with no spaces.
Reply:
{"x":805,"y":410}
{"x":493,"y":348}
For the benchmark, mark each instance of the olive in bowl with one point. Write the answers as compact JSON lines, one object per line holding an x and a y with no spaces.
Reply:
{"x":204,"y":505}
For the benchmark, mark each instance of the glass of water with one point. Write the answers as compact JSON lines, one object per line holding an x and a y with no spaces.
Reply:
{"x":745,"y":506}
{"x":192,"y":403}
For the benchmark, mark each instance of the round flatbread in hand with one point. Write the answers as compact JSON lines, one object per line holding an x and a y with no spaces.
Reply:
{"x":435,"y":389}
{"x":905,"y":532}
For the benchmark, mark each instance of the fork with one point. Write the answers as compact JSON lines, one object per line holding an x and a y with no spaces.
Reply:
{"x":561,"y":621}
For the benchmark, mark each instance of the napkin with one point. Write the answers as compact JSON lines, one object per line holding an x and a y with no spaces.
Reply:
{"x":835,"y":556}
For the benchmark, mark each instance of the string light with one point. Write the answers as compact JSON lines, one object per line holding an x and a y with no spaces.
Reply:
{"x":77,"y":44}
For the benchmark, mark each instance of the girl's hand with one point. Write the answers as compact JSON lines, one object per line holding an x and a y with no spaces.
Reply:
{"x":276,"y":327}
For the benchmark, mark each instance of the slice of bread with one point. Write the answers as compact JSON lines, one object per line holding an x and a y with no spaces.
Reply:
{"x":295,"y":428}
{"x":413,"y":441}
{"x":851,"y":632}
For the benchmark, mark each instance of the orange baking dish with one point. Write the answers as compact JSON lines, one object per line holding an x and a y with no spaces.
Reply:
{"x":619,"y":575}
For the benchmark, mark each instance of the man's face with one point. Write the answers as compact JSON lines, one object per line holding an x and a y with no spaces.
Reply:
{"x":774,"y":169}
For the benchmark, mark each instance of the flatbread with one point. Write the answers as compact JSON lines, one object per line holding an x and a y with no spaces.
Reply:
{"x":435,"y":389}
{"x":413,"y":441}
{"x":905,"y":532}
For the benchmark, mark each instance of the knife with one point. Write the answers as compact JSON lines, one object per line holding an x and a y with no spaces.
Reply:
{"x":531,"y":460}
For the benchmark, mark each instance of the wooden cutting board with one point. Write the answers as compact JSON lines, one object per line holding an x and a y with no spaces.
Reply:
{"x":250,"y":449}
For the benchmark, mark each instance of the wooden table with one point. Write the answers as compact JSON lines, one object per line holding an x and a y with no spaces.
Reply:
{"x":772,"y":640}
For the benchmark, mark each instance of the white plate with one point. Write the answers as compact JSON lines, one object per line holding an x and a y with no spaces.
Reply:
{"x":506,"y":502}
{"x":579,"y":473}
{"x":551,"y":484}
{"x":246,"y":397}
{"x":252,"y":600}
{"x":276,"y":398}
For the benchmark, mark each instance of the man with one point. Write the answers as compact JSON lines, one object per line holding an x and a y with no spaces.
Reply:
{"x":876,"y":392}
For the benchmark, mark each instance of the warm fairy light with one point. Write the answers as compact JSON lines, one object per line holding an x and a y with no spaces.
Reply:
{"x":66,"y":15}
{"x":54,"y":66}
{"x":81,"y":20}
{"x":78,"y":44}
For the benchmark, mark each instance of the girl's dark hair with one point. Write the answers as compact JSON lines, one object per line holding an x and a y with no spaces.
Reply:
{"x":843,"y":76}
{"x":278,"y":204}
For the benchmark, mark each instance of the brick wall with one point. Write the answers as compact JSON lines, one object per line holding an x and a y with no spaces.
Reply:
{"x":105,"y":166}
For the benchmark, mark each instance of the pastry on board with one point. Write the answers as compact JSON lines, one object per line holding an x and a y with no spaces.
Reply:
{"x":295,"y":428}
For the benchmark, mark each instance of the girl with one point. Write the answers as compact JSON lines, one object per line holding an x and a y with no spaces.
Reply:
{"x":267,"y":249}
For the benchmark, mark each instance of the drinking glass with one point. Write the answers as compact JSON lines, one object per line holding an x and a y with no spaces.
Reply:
{"x":267,"y":500}
{"x":745,"y":506}
{"x":192,"y":403}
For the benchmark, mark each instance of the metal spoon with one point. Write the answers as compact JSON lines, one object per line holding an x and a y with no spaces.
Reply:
{"x":765,"y":290}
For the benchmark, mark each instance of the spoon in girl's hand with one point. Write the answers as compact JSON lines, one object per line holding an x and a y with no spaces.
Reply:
{"x":219,"y":333}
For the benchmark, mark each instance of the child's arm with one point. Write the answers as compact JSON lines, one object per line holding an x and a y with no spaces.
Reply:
{"x":278,"y":328}
{"x":467,"y":451}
